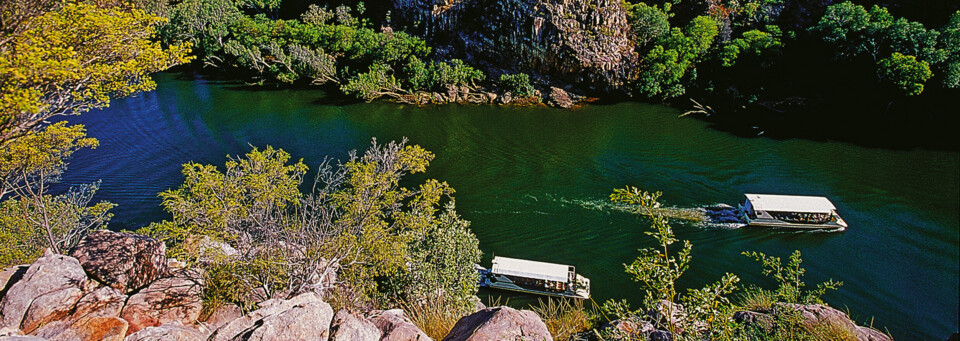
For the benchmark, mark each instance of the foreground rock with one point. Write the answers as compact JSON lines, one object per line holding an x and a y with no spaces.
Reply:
{"x":397,"y":327}
{"x":95,"y":317}
{"x":167,"y":332}
{"x":813,"y":316}
{"x":349,"y":327}
{"x":304,"y":317}
{"x":50,"y":287}
{"x":167,"y":300}
{"x":124,"y":261}
{"x":499,"y":323}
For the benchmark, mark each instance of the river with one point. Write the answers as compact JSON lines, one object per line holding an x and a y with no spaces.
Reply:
{"x":535,"y":182}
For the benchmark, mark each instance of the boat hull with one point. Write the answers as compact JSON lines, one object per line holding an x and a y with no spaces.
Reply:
{"x":512,"y":287}
{"x":788,"y":225}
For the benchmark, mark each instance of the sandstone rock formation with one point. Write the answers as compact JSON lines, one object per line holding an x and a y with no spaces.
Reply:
{"x":305,"y":317}
{"x":584,"y":43}
{"x":171,"y":299}
{"x":54,"y":281}
{"x":124,"y":261}
{"x":499,"y":323}
{"x":397,"y":327}
{"x":349,"y":327}
{"x":167,"y":332}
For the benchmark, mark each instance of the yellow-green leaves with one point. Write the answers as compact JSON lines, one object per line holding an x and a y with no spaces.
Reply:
{"x":76,"y":58}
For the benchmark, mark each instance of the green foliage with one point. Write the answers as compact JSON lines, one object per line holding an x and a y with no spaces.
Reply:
{"x":789,"y":278}
{"x":950,"y":42}
{"x":62,"y":58}
{"x":905,"y":73}
{"x":649,"y":23}
{"x":658,"y":270}
{"x":436,"y":75}
{"x":674,"y":57}
{"x":204,"y":23}
{"x":854,"y":31}
{"x":441,"y":259}
{"x":74,"y":59}
{"x":358,"y":223}
{"x":517,"y":84}
{"x":379,"y":81}
{"x":28,"y":224}
{"x":759,"y":45}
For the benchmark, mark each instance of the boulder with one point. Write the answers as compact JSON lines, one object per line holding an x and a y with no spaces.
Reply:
{"x":314,"y":315}
{"x":396,"y":327}
{"x":93,"y":317}
{"x":307,"y":321}
{"x":559,"y":98}
{"x":665,"y":313}
{"x":870,"y":334}
{"x":223,"y":315}
{"x":11,"y":275}
{"x":818,"y":314}
{"x":21,"y":338}
{"x":171,"y":299}
{"x":51,"y":275}
{"x":751,"y":318}
{"x":50,"y":307}
{"x":167,"y":332}
{"x":499,"y":323}
{"x":349,"y":327}
{"x":94,"y":329}
{"x":124,"y":261}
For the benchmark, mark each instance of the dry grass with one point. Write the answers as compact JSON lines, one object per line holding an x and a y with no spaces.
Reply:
{"x":435,"y":317}
{"x":756,"y":299}
{"x":563,"y":318}
{"x":832,"y":332}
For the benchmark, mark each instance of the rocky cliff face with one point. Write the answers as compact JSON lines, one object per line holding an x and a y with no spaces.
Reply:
{"x":584,"y":44}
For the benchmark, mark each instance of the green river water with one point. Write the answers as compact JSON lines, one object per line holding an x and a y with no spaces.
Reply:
{"x":535,"y":182}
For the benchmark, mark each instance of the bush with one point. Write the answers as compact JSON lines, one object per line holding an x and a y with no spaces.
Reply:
{"x":517,"y":84}
{"x":435,"y":316}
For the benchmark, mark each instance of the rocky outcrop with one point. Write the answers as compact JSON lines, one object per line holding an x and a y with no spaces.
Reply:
{"x":559,"y":98}
{"x":223,"y":315}
{"x":397,"y":327}
{"x":349,"y":327}
{"x":304,"y":317}
{"x":812,"y":316}
{"x":583,"y":43}
{"x":94,"y":317}
{"x":172,"y":299}
{"x":50,"y":287}
{"x":499,"y":323}
{"x":124,"y":261}
{"x":167,"y":332}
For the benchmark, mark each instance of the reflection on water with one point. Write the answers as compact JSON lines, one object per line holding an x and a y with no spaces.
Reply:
{"x":534,"y":182}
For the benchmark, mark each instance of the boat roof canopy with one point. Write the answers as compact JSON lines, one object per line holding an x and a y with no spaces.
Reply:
{"x":790,"y":203}
{"x":530,"y":269}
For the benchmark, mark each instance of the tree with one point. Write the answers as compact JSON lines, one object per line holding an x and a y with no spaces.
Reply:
{"x":905,"y":73}
{"x":379,"y":81}
{"x":203,"y":23}
{"x":517,"y":84}
{"x":658,"y":269}
{"x":353,"y":228}
{"x":854,"y":31}
{"x":649,"y":23}
{"x":59,"y":59}
{"x":674,"y":57}
{"x":756,"y":44}
{"x":950,"y":41}
{"x":75,"y":59}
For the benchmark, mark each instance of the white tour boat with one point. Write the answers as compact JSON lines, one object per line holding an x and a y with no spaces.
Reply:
{"x":534,"y":277}
{"x":791,"y":211}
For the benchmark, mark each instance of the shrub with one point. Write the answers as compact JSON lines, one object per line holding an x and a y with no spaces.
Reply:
{"x":518,"y":84}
